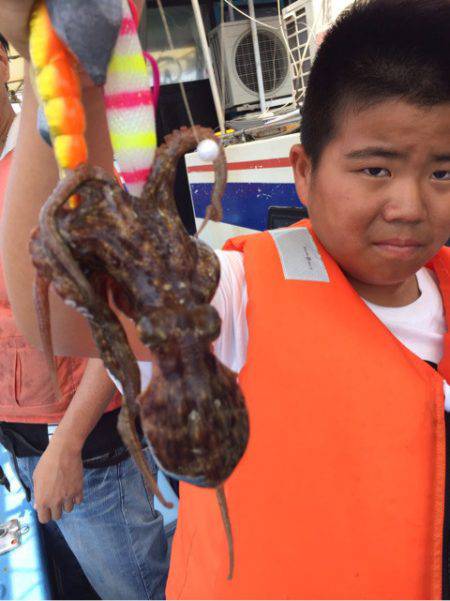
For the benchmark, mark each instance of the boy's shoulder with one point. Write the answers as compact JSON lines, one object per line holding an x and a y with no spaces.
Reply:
{"x":231,"y":264}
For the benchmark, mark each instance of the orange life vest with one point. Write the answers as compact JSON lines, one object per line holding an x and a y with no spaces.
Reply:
{"x":26,"y":391}
{"x":340,"y":494}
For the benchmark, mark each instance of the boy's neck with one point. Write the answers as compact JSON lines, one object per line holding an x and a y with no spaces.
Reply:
{"x":395,"y":295}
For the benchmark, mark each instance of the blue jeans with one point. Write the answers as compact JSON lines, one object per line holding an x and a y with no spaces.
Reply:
{"x":115,"y":533}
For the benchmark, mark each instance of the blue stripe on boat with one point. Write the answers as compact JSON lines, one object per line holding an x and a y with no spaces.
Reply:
{"x":246,"y":204}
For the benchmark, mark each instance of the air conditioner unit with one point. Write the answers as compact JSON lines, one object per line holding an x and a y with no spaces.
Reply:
{"x":238,"y":69}
{"x":299,"y":28}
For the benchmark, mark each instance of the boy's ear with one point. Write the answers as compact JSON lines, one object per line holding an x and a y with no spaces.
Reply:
{"x":302,"y":168}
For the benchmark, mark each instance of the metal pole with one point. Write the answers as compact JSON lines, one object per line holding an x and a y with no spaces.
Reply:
{"x":230,"y":12}
{"x":259,"y":76}
{"x":209,"y":66}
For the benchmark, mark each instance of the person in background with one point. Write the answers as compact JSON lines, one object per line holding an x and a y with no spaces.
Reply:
{"x":67,"y":452}
{"x":342,"y":348}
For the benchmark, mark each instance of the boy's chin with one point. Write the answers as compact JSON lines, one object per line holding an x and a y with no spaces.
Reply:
{"x":392,"y":277}
{"x":384,"y":275}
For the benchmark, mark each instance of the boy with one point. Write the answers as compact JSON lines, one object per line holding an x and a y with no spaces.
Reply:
{"x":341,"y":347}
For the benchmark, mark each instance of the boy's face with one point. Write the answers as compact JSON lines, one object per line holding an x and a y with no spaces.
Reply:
{"x":379,"y":199}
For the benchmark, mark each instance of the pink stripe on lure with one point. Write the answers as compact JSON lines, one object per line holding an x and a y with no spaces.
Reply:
{"x":134,"y":177}
{"x":127,"y":27}
{"x":126,"y":100}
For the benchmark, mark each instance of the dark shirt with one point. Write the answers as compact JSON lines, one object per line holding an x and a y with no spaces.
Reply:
{"x":100,"y":449}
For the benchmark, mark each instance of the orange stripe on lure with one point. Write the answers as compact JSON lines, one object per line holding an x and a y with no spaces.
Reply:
{"x":58,"y":86}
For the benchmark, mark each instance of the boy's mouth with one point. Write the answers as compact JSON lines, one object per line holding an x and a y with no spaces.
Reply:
{"x":399,"y":247}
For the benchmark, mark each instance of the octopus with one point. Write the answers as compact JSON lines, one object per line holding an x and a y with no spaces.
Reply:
{"x":118,"y":251}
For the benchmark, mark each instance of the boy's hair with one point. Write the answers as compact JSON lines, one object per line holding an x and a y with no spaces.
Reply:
{"x":377,"y":50}
{"x":4,"y":43}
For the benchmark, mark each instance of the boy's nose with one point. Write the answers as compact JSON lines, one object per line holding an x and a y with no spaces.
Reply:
{"x":405,"y":202}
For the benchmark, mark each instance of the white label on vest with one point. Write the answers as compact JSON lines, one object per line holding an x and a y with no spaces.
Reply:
{"x":299,"y":255}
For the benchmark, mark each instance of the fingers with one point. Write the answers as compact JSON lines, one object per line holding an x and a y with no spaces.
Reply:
{"x":68,"y":505}
{"x":45,"y":514}
{"x":56,"y":512}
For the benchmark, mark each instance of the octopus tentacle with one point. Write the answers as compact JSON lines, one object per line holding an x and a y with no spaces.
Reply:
{"x":222,"y":500}
{"x":120,"y":361}
{"x":176,"y":145}
{"x":47,"y":220}
{"x":41,"y":302}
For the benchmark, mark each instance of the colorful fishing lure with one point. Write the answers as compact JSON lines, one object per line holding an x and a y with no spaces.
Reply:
{"x":129,"y":102}
{"x":129,"y":107}
{"x":58,"y":86}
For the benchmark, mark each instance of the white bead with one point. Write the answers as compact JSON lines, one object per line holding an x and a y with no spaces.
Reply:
{"x":208,"y":150}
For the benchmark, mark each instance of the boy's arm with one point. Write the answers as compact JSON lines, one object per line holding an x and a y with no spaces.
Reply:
{"x":58,"y":477}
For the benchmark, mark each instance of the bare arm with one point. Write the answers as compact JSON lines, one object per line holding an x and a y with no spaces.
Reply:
{"x":58,"y":477}
{"x":33,"y":177}
{"x":94,"y":393}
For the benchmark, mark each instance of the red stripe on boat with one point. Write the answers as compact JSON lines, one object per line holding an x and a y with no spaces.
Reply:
{"x":259,"y":164}
{"x":128,"y":100}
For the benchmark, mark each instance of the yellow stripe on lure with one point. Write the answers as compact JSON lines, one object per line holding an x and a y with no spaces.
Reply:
{"x":58,"y":86}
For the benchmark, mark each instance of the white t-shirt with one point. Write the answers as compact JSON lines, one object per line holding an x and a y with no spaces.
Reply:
{"x":420,"y":326}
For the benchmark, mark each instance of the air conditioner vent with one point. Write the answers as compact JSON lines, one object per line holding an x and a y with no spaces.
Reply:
{"x":274,"y":61}
{"x":232,"y":43}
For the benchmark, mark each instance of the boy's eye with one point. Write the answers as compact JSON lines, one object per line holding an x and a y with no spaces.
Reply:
{"x":376,"y":172}
{"x":442,"y":175}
